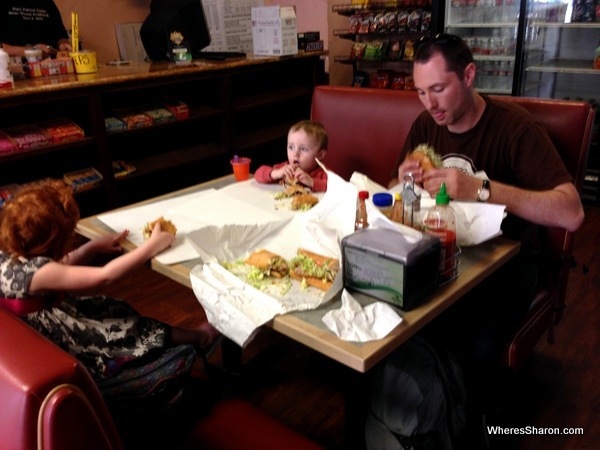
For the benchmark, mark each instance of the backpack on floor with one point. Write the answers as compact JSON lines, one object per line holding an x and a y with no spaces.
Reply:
{"x":418,"y":400}
{"x":150,"y":389}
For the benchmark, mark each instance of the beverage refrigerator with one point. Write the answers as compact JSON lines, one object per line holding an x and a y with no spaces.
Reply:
{"x":492,"y":30}
{"x":535,"y":48}
{"x":560,"y":41}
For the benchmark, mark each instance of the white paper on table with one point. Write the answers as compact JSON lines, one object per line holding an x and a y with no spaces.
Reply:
{"x":134,"y":220}
{"x":188,"y":213}
{"x":354,"y":323}
{"x":238,"y":313}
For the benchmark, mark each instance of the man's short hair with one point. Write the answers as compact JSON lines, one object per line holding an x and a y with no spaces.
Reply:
{"x":453,"y":49}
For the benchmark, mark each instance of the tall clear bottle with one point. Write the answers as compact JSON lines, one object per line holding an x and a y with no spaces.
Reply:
{"x":361,"y":221}
{"x":441,"y":223}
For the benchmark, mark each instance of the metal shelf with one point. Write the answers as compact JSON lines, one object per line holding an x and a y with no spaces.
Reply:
{"x":565,"y":25}
{"x":575,"y":66}
{"x":482,"y":25}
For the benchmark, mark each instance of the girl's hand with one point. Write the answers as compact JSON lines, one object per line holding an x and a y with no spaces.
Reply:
{"x":160,"y":240}
{"x":110,"y":243}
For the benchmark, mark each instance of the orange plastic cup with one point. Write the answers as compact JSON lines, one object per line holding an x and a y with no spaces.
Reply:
{"x":241,"y":168}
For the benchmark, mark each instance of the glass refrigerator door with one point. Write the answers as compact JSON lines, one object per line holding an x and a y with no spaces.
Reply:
{"x":560,"y":41}
{"x":490,"y":28}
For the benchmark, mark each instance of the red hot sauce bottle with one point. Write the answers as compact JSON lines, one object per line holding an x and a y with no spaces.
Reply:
{"x":440,"y":222}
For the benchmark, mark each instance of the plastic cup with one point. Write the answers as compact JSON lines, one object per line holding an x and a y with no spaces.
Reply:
{"x":241,"y":168}
{"x":85,"y":61}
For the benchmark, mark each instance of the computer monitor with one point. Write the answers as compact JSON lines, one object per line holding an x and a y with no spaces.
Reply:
{"x":166,"y":16}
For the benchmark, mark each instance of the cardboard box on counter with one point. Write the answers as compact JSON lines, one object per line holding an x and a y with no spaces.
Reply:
{"x":306,"y":37}
{"x":274,"y":31}
{"x":50,"y":67}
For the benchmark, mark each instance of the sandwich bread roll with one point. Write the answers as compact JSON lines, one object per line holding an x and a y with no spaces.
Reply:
{"x":165,"y":225}
{"x":319,"y":271}
{"x":270,"y":263}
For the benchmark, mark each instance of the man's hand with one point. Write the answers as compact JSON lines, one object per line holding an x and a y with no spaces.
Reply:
{"x":459,"y":185}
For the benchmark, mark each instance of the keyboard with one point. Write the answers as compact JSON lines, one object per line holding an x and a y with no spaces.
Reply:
{"x":220,"y":56}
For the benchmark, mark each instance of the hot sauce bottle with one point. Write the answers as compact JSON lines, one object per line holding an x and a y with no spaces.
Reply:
{"x":440,"y":222}
{"x":361,"y":211}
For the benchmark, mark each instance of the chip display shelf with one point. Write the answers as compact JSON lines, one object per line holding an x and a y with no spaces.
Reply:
{"x":383,"y":34}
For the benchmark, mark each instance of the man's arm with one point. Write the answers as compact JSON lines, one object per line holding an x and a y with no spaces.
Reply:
{"x":558,"y":207}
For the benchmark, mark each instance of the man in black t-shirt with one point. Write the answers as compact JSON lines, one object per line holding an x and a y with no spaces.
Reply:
{"x":502,"y":143}
{"x":35,"y":23}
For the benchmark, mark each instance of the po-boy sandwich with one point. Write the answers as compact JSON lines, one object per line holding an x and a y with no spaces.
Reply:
{"x":304,"y":202}
{"x":316,"y":270}
{"x":427,"y":157}
{"x":165,"y":225}
{"x":269,"y":264}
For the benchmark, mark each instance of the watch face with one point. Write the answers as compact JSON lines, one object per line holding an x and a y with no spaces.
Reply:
{"x":483,"y":195}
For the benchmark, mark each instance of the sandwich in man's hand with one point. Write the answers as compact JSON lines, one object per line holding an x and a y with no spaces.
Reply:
{"x":316,"y":270}
{"x":427,"y":157}
{"x":270,"y":264}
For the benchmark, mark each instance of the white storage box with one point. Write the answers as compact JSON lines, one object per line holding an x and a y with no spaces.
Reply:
{"x":274,"y":31}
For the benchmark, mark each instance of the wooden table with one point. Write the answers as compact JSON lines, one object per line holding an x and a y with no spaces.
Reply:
{"x":306,"y":327}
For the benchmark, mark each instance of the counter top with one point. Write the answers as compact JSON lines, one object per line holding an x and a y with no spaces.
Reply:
{"x":136,"y":71}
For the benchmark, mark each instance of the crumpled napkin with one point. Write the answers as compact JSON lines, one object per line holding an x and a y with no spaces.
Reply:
{"x":352,"y":322}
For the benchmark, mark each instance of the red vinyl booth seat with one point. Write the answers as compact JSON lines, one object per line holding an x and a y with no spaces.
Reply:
{"x":367,"y":128}
{"x":49,"y":401}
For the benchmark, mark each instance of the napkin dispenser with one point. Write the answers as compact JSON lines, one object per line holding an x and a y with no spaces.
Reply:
{"x":386,"y":265}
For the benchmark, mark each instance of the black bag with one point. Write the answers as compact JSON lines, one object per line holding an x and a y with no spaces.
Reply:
{"x":418,"y":400}
{"x":150,"y":389}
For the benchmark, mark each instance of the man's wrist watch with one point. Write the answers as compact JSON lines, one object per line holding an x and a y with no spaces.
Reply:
{"x":483,"y":193}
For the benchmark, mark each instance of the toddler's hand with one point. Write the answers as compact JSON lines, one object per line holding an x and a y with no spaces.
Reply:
{"x":284,"y":172}
{"x":303,"y":178}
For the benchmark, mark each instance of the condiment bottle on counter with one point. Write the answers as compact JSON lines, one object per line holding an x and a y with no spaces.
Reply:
{"x":397,"y":214}
{"x":440,"y":222}
{"x":6,"y":78}
{"x":384,"y":202}
{"x":361,"y":211}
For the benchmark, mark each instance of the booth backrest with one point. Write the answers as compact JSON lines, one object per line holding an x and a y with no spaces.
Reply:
{"x":366,"y":128}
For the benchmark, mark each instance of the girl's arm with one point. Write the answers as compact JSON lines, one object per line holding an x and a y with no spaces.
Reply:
{"x":103,"y":245}
{"x":56,"y":276}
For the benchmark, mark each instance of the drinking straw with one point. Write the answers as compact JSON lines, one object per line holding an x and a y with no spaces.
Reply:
{"x":75,"y":32}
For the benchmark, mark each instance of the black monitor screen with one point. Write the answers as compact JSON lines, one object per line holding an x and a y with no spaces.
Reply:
{"x":166,"y":16}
